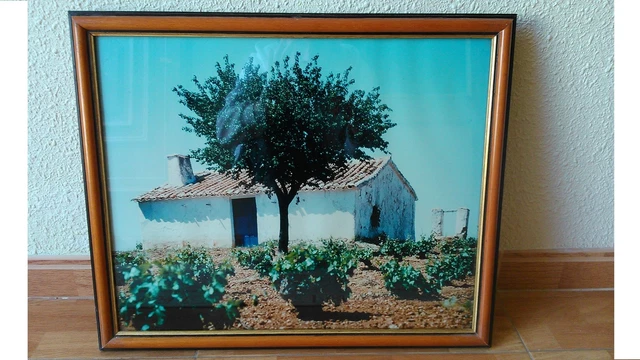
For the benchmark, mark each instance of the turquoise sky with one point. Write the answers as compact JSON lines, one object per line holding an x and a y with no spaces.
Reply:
{"x":437,"y":89}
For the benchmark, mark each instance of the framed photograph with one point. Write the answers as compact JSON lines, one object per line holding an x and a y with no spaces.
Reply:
{"x":293,"y":180}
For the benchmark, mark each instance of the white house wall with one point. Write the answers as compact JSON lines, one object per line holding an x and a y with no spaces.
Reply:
{"x":196,"y":221}
{"x":317,"y":215}
{"x":395,"y":202}
{"x":207,"y":221}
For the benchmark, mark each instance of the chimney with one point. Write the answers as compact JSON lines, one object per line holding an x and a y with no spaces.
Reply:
{"x":180,"y":171}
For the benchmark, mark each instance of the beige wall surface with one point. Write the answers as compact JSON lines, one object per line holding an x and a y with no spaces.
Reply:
{"x":559,"y":172}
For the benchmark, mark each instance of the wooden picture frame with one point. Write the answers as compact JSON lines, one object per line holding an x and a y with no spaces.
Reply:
{"x":452,"y":127}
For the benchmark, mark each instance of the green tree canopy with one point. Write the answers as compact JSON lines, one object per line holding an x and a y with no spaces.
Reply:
{"x":285,"y":128}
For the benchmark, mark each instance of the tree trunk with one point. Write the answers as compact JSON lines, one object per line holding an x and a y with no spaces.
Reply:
{"x":283,"y":241}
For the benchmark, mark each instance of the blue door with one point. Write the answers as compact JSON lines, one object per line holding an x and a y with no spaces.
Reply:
{"x":245,"y":222}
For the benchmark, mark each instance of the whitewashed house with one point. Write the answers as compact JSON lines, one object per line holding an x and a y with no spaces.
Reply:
{"x":214,"y":210}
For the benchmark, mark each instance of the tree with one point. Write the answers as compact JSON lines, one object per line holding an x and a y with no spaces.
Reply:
{"x":286,"y":128}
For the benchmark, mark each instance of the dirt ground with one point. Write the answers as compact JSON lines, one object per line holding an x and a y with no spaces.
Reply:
{"x":371,"y":305}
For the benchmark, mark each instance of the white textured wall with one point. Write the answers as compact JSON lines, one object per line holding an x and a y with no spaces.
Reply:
{"x":559,"y":175}
{"x":397,"y":212}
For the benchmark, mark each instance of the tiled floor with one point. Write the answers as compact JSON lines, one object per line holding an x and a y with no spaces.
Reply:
{"x":528,"y":325}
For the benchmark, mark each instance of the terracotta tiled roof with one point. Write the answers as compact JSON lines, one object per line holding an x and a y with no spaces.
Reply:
{"x":215,"y":184}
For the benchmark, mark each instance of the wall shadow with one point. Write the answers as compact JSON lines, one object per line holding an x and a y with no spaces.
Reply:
{"x":527,"y":174}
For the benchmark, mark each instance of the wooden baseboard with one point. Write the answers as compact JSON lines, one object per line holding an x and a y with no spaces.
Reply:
{"x":555,"y":269}
{"x":60,"y":277}
{"x":517,"y":270}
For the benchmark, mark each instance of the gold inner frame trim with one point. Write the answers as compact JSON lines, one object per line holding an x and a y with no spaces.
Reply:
{"x":368,"y":35}
{"x":485,"y":171}
{"x":103,"y":180}
{"x":294,"y":332}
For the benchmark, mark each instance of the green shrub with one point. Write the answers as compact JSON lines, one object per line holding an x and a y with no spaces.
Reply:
{"x":259,"y":258}
{"x":397,"y":248}
{"x":404,"y":280}
{"x":340,"y":248}
{"x":336,"y":247}
{"x":457,"y":260}
{"x":450,"y":267}
{"x":425,"y":246}
{"x":198,"y":258}
{"x":123,"y":261}
{"x":309,"y":276}
{"x":458,"y":245}
{"x":182,"y":292}
{"x":364,"y":255}
{"x":193,"y":255}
